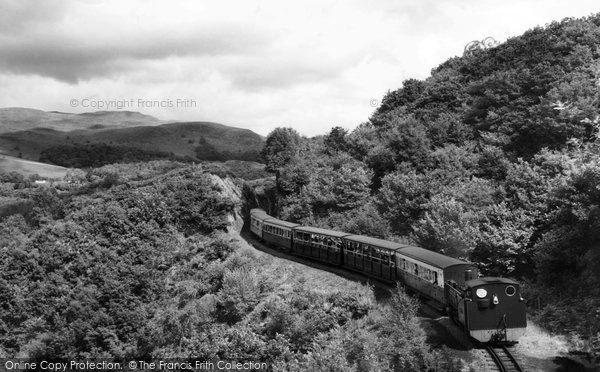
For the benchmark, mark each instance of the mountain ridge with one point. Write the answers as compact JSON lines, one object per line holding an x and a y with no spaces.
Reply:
{"x":48,"y":132}
{"x":14,"y":119}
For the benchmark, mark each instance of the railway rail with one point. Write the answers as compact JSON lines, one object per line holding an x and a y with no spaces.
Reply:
{"x":500,"y":357}
{"x":503,"y":360}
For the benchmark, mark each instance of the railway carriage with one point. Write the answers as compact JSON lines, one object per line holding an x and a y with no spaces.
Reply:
{"x":320,"y":244}
{"x":426,"y":272}
{"x":489,"y":309}
{"x":257,"y":218}
{"x":278,"y":233}
{"x":371,"y":256}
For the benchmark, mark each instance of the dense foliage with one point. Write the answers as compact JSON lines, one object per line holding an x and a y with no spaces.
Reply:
{"x":133,"y":261}
{"x":97,"y":154}
{"x":494,"y":158}
{"x":78,"y":155}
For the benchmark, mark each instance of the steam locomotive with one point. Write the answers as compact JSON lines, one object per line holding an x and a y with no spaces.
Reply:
{"x":489,"y":309}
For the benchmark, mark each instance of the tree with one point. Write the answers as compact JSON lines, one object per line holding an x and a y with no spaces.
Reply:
{"x":280,"y":148}
{"x":335,"y":140}
{"x":403,"y":197}
{"x":409,"y":141}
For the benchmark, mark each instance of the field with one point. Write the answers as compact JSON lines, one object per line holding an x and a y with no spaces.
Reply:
{"x":28,"y":167}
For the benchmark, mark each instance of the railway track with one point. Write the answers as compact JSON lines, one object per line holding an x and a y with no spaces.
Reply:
{"x":503,"y":359}
{"x":500,"y":357}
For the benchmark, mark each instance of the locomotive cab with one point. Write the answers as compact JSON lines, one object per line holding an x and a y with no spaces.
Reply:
{"x":492,"y":310}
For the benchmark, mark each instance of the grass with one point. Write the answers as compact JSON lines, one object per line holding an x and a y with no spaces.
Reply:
{"x":27,"y":167}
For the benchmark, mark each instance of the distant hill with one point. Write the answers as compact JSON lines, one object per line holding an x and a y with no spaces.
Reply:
{"x":192,"y":140}
{"x":14,"y":119}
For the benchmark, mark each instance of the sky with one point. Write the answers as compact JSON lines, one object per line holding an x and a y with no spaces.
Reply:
{"x":309,"y":65}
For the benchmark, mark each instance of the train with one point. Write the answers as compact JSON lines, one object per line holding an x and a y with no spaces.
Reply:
{"x":490,"y":310}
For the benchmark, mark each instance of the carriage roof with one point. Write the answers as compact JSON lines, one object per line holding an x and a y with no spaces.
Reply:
{"x":430,"y":257}
{"x":280,"y":223}
{"x":317,"y":230}
{"x":259,"y":214}
{"x":375,"y":242}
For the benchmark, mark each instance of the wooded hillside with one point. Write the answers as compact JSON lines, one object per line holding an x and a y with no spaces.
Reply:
{"x":495,"y":158}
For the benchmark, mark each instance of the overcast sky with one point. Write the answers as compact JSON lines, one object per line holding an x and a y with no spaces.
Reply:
{"x":310,"y":65}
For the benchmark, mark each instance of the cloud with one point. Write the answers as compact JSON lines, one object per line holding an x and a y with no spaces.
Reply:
{"x":71,"y":49}
{"x":17,"y":15}
{"x":279,"y":72}
{"x":256,"y":64}
{"x":69,"y":59}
